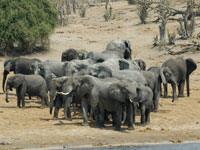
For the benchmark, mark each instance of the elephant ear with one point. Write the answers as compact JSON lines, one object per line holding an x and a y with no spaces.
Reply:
{"x":85,"y":86}
{"x":123,"y":65}
{"x":115,"y":93}
{"x":191,"y":66}
{"x":18,"y":80}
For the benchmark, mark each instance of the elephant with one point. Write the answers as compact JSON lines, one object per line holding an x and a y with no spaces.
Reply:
{"x":33,"y":85}
{"x":141,"y":63}
{"x":145,"y":103}
{"x":120,"y":48}
{"x":181,"y":69}
{"x":59,"y":69}
{"x":164,"y":75}
{"x":71,"y":54}
{"x":55,"y":98}
{"x":113,"y":98}
{"x":17,"y":65}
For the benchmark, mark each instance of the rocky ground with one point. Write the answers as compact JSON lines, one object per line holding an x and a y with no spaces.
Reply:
{"x":34,"y":127}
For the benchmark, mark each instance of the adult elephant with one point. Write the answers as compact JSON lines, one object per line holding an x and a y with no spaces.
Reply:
{"x":120,"y":48}
{"x":164,"y":75}
{"x":181,"y":69}
{"x":17,"y":65}
{"x":71,"y":54}
{"x":33,"y":85}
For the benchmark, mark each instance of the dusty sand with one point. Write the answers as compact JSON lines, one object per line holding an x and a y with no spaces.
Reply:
{"x":34,"y":127}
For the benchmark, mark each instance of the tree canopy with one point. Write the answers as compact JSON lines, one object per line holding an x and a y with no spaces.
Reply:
{"x":24,"y":24}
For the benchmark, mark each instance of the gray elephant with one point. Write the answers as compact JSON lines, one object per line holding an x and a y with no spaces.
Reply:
{"x":116,"y":97}
{"x":141,"y":63}
{"x":33,"y":85}
{"x":17,"y":65}
{"x":71,"y":54}
{"x":120,"y":48}
{"x":56,"y":99}
{"x":145,"y":103}
{"x":164,"y":75}
{"x":181,"y":69}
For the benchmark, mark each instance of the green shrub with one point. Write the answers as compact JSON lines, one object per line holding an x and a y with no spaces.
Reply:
{"x":132,"y":2}
{"x":24,"y":25}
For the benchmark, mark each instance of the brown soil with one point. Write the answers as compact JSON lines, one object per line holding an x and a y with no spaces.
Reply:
{"x":34,"y":127}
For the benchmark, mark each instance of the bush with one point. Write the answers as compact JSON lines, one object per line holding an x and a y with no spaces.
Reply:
{"x":25,"y":24}
{"x":132,"y":2}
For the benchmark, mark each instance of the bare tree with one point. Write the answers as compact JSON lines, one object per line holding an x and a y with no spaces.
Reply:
{"x":68,"y":7}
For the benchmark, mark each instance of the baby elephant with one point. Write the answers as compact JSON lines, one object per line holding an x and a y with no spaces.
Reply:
{"x":33,"y":85}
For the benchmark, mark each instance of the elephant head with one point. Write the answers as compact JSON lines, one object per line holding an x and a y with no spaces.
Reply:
{"x":167,"y":76}
{"x":15,"y":82}
{"x":122,"y":47}
{"x":140,"y":63}
{"x":9,"y":65}
{"x":100,"y":71}
{"x":123,"y":92}
{"x":191,"y":66}
{"x":56,"y":87}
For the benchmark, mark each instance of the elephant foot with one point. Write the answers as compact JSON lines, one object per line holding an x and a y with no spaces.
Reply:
{"x":117,"y":128}
{"x":55,"y":118}
{"x":180,"y":95}
{"x":85,"y":124}
{"x":131,"y":128}
{"x":69,"y":119}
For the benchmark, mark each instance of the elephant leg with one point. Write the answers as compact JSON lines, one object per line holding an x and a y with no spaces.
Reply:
{"x":174,"y":91}
{"x":124,"y":116}
{"x":142,"y":109}
{"x":58,"y":105}
{"x":147,"y":115}
{"x":42,"y":102}
{"x":165,"y":90}
{"x":18,"y":97}
{"x":181,"y":89}
{"x":101,"y":116}
{"x":156,"y":98}
{"x":134,"y":106}
{"x":85,"y":112}
{"x":118,"y":117}
{"x":113,"y":119}
{"x":23,"y":101}
{"x":67,"y":111}
{"x":129,"y":116}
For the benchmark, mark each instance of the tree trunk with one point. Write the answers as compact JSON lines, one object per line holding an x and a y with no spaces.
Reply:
{"x":68,"y":7}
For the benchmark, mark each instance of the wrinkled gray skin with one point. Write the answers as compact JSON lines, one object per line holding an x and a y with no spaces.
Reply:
{"x":17,"y":65}
{"x":145,"y":103}
{"x":141,"y":63}
{"x":114,"y":98}
{"x":114,"y":49}
{"x":57,"y":99}
{"x":46,"y":68}
{"x":164,"y":75}
{"x":152,"y":83}
{"x":59,"y":69}
{"x":77,"y":67}
{"x":102,"y":71}
{"x":114,"y":64}
{"x":71,"y":54}
{"x":33,"y":85}
{"x":181,"y":68}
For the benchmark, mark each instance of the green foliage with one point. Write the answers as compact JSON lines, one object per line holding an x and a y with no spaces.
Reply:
{"x":132,"y":2}
{"x":24,"y":24}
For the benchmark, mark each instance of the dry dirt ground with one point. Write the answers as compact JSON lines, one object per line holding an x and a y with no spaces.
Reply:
{"x":34,"y":127}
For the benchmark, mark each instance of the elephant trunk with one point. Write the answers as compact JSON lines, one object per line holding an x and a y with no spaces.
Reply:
{"x":7,"y":95}
{"x":51,"y":102}
{"x":188,"y":85}
{"x":162,"y":76}
{"x":5,"y":73}
{"x":174,"y":91}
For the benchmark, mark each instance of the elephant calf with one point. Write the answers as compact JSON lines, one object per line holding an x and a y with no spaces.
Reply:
{"x":33,"y":85}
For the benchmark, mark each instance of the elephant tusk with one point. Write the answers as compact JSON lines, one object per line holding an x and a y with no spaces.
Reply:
{"x":131,"y":100}
{"x":62,"y":93}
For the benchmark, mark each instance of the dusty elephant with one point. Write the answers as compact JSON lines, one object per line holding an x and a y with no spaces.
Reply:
{"x":17,"y":65}
{"x":34,"y":85}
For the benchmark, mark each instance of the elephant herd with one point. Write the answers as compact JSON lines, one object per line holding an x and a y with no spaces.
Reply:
{"x":107,"y":83}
